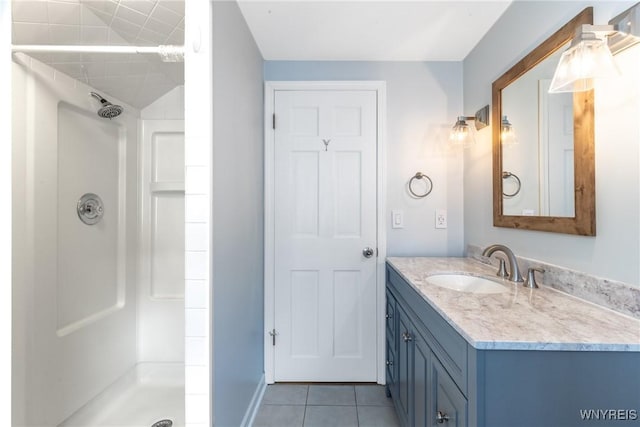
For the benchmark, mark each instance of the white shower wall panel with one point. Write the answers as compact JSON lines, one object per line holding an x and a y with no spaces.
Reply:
{"x":167,"y":251}
{"x":76,"y":283}
{"x":91,"y":260}
{"x":161,"y":287}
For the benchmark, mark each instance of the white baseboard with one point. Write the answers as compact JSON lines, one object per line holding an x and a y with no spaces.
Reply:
{"x":256,"y":400}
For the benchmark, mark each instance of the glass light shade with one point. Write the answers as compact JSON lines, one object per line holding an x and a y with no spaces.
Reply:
{"x":580,"y":64}
{"x":461,"y":133}
{"x":507,"y":132}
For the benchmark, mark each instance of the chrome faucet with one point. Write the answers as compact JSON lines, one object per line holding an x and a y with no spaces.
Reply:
{"x":514,"y":271}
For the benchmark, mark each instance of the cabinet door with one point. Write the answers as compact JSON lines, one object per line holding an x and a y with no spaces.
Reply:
{"x":392,"y":385}
{"x":421,"y":380}
{"x":392,"y":345}
{"x":413,"y":374}
{"x":391,"y":317}
{"x":449,"y":406}
{"x":404,"y":367}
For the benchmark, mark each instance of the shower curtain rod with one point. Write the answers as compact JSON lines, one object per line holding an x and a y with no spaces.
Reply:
{"x":168,"y":53}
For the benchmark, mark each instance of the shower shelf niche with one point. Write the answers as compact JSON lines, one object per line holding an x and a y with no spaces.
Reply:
{"x":166,"y":187}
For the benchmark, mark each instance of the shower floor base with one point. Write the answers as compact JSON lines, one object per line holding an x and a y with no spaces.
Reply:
{"x":148,"y":393}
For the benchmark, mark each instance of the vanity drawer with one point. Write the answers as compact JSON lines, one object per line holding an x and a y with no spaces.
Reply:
{"x":445,"y":342}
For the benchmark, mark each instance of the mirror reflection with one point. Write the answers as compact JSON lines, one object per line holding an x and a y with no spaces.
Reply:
{"x":537,"y":145}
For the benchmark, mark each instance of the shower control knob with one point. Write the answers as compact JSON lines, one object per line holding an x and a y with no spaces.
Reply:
{"x":90,"y":209}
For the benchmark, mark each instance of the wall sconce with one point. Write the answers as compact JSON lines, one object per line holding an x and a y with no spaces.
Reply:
{"x":507,"y":132}
{"x":591,"y":52}
{"x":461,"y":133}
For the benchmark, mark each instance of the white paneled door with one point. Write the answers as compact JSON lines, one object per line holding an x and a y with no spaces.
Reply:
{"x":556,"y":152}
{"x":325,"y":222}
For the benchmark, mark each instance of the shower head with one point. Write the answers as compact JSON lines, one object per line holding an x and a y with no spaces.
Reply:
{"x":108,"y":110}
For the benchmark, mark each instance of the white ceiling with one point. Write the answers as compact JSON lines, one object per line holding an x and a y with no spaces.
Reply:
{"x":418,"y":30}
{"x":135,"y":79}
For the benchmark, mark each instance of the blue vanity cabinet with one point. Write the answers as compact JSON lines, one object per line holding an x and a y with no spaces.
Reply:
{"x":422,"y":389}
{"x":391,"y":318}
{"x":391,"y":345}
{"x":413,"y":364}
{"x":438,"y":378}
{"x":421,"y":378}
{"x":450,"y":406}
{"x":402,"y":398}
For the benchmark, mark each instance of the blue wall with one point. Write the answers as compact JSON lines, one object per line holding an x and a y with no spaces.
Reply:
{"x":614,"y":252}
{"x":237,"y":215}
{"x":423,"y":101}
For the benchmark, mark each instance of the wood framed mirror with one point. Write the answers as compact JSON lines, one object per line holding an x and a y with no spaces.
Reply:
{"x":544,"y":178}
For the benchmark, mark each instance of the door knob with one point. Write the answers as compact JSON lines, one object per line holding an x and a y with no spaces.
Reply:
{"x":367,"y":252}
{"x":442,"y":417}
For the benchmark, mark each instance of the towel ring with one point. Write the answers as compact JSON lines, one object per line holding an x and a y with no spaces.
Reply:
{"x":506,"y":175}
{"x":420,"y":175}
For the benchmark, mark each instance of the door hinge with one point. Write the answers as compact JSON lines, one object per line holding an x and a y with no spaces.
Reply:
{"x":274,"y":121}
{"x":273,"y":334}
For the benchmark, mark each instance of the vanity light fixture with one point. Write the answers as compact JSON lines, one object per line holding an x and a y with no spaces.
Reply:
{"x":591,"y":52}
{"x":588,"y":57}
{"x":461,"y":133}
{"x":507,"y":132}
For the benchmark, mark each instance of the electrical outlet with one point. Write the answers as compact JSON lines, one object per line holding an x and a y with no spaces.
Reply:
{"x":441,"y":218}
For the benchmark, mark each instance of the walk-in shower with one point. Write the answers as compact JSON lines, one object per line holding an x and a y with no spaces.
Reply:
{"x":98,"y":284}
{"x":99,"y":307}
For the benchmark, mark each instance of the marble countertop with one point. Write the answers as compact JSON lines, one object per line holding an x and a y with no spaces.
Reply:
{"x":522,"y":318}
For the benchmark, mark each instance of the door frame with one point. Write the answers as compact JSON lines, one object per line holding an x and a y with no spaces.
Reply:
{"x":269,"y":207}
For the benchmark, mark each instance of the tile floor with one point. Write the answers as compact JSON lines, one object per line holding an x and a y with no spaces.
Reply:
{"x":298,"y":405}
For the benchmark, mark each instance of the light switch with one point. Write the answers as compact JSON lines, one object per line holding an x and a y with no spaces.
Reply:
{"x":397,"y":219}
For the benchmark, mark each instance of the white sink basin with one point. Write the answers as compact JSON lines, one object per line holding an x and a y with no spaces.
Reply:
{"x":466,"y":283}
